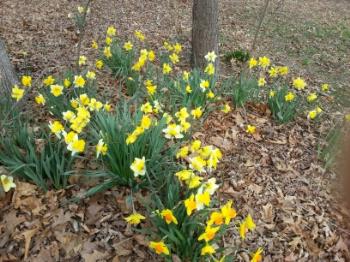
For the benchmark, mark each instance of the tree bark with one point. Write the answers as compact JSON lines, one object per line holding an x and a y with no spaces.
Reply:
{"x":8,"y":77}
{"x":204,"y":30}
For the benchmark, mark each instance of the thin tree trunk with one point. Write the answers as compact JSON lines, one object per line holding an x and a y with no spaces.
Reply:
{"x":204,"y":30}
{"x":8,"y":77}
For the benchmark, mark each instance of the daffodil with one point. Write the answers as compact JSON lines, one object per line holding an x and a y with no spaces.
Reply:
{"x":185,"y":75}
{"x":77,"y":146}
{"x":177,"y":48}
{"x":210,"y":69}
{"x":182,"y":114}
{"x":168,"y":46}
{"x":84,"y":99}
{"x":7,"y":182}
{"x":26,"y":81}
{"x":289,"y":97}
{"x":151,"y":89}
{"x":128,"y":46}
{"x":183,"y":152}
{"x":166,"y":69}
{"x":261,"y":82}
{"x":107,"y":107}
{"x":68,"y":115}
{"x":90,"y":75}
{"x":82,"y":60}
{"x":111,"y":31}
{"x":70,"y":137}
{"x":190,"y":204}
{"x":246,"y":224}
{"x":56,"y":90}
{"x":250,"y":129}
{"x":325,"y":87}
{"x":272,"y":93}
{"x":264,"y":62}
{"x":56,"y":128}
{"x":252,"y":63}
{"x":312,"y":114}
{"x":188,"y":89}
{"x":101,"y":148}
{"x":159,"y":247}
{"x":107,"y":52}
{"x":194,"y":181}
{"x":257,"y":257}
{"x":168,"y":216}
{"x":210,"y":186}
{"x":273,"y":72}
{"x":81,"y":9}
{"x":139,"y":35}
{"x":283,"y":70}
{"x":66,"y":83}
{"x":79,"y":81}
{"x":184,"y":175}
{"x":49,"y":81}
{"x":210,"y":95}
{"x":216,"y":218}
{"x":299,"y":83}
{"x":204,"y":85}
{"x":17,"y":93}
{"x":311,"y":97}
{"x":197,"y":163}
{"x":146,"y":108}
{"x":226,"y":108}
{"x":197,"y":112}
{"x":134,"y":219}
{"x":99,"y":64}
{"x":139,"y":166}
{"x":209,"y":233}
{"x":207,"y":250}
{"x":173,"y":131}
{"x":211,"y":57}
{"x":151,"y":56}
{"x":174,"y":58}
{"x":146,"y":122}
{"x":202,"y":199}
{"x":228,"y":212}
{"x":195,"y":145}
{"x":94,"y":45}
{"x":40,"y":100}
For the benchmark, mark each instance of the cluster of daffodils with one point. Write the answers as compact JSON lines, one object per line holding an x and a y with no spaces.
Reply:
{"x":201,"y":161}
{"x":277,"y":76}
{"x":75,"y":121}
{"x":19,"y":91}
{"x":145,"y":124}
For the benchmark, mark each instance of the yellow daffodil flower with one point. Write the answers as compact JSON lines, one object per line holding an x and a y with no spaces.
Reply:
{"x":139,"y":166}
{"x":7,"y":183}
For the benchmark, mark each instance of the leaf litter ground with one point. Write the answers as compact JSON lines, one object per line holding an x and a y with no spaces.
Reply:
{"x":275,"y":174}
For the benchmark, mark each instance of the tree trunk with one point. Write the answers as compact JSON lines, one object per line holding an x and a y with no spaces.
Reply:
{"x":8,"y":77}
{"x":204,"y":30}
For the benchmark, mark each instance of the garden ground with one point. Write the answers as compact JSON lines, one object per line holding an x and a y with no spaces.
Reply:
{"x":276,"y":173}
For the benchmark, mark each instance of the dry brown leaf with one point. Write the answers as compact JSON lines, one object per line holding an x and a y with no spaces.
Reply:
{"x":95,"y":256}
{"x":27,"y":240}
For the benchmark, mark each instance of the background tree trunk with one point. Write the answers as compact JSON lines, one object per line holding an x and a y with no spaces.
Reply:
{"x":204,"y":30}
{"x":8,"y":77}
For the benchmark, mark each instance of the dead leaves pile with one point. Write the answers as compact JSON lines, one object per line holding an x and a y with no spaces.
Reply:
{"x":45,"y":227}
{"x":276,"y":176}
